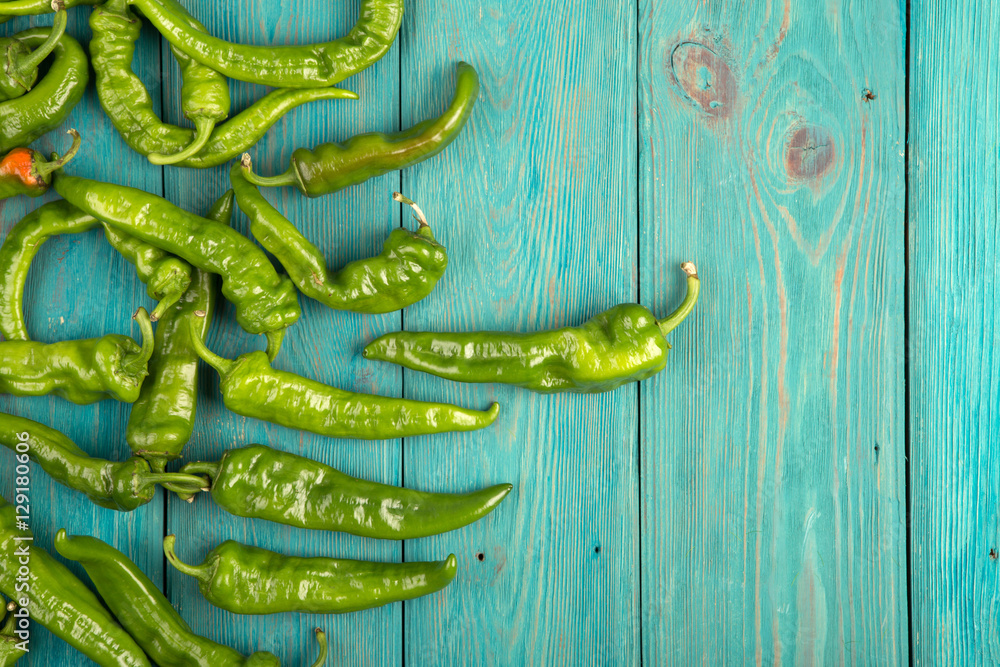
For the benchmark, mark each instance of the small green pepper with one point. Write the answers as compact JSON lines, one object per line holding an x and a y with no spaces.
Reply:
{"x":252,"y":388}
{"x":20,"y":64}
{"x":11,"y":647}
{"x":57,"y":600}
{"x":408,"y":268}
{"x":258,"y":482}
{"x":81,"y":371}
{"x":147,"y":614}
{"x":24,"y":171}
{"x":335,"y":166}
{"x":249,"y":580}
{"x":116,"y":486}
{"x":624,"y":344}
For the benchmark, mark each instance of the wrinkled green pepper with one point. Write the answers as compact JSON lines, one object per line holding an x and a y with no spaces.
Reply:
{"x":249,"y":580}
{"x":263,"y":483}
{"x":117,"y":486}
{"x":57,"y":600}
{"x":165,"y":276}
{"x":81,"y":371}
{"x":621,"y":345}
{"x":407,"y":269}
{"x":147,"y":614}
{"x":25,"y":171}
{"x":19,"y":70}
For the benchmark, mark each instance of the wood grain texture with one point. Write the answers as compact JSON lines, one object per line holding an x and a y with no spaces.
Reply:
{"x":63,"y":301}
{"x":954,"y":292}
{"x":773,"y":491}
{"x":537,"y":205}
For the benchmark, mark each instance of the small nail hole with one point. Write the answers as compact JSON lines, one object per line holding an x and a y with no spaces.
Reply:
{"x":993,"y":554}
{"x":597,"y":550}
{"x":480,"y":556}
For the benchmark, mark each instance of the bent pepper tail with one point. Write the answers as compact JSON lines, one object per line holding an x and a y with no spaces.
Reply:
{"x":182,"y":484}
{"x":203,"y":128}
{"x":324,"y":648}
{"x":34,"y":59}
{"x":41,"y":171}
{"x":671,"y":321}
{"x":199,"y":572}
{"x":220,"y":364}
{"x":135,"y":365}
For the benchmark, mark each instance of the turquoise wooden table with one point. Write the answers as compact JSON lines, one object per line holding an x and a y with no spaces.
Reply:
{"x":813,"y":479}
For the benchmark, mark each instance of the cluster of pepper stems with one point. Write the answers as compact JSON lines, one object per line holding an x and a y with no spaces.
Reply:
{"x":186,"y":260}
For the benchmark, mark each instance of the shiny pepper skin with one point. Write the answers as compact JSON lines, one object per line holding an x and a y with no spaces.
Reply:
{"x":621,"y":345}
{"x":407,"y":269}
{"x":24,"y":171}
{"x":263,"y":483}
{"x":249,"y":580}
{"x":81,"y":371}
{"x":19,"y":64}
{"x":61,"y":603}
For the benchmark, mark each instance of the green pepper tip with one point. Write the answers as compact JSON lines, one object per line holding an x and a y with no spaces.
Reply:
{"x":220,"y":364}
{"x":324,"y":647}
{"x":202,"y":133}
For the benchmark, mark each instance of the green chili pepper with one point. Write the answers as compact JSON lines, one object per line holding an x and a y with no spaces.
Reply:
{"x":249,"y":580}
{"x":10,"y":652}
{"x":24,"y":171}
{"x":81,"y":371}
{"x":49,"y":102}
{"x":252,"y":388}
{"x":624,"y":344}
{"x":20,"y":64}
{"x":11,"y":8}
{"x":405,"y":272}
{"x":57,"y":600}
{"x":162,"y":419}
{"x":165,"y":276}
{"x":258,"y":482}
{"x":154,"y":267}
{"x":116,"y":486}
{"x":265,"y":302}
{"x":148,"y":616}
{"x":335,"y":166}
{"x":300,"y":66}
{"x":128,"y":104}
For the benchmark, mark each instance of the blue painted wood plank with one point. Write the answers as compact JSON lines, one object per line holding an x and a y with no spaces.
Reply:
{"x":322,"y":345}
{"x":773,"y":445}
{"x":954,"y":290}
{"x":69,"y":296}
{"x":537,"y":205}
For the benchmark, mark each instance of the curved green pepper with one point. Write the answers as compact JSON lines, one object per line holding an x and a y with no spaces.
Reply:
{"x":265,"y":302}
{"x":11,"y":648}
{"x":252,"y":388}
{"x":624,"y":344}
{"x":20,"y":64}
{"x":24,"y":171}
{"x":147,"y":614}
{"x":165,"y":276}
{"x":410,"y":265}
{"x":162,"y":419}
{"x":58,"y":601}
{"x":335,"y":166}
{"x":262,"y":483}
{"x":253,"y":581}
{"x":48,"y":103}
{"x":298,"y":66}
{"x":116,"y":486}
{"x":81,"y":371}
{"x":11,"y":8}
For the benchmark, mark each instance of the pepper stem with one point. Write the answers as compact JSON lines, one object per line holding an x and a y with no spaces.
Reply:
{"x":324,"y":648}
{"x":163,"y":305}
{"x":34,"y":59}
{"x":42,"y":170}
{"x":220,"y":364}
{"x":179,"y":565}
{"x":281,"y":180}
{"x":274,"y":339}
{"x":418,"y":214}
{"x":179,"y":483}
{"x":8,"y":627}
{"x":138,"y":363}
{"x":209,"y":468}
{"x":671,"y":321}
{"x":203,"y":128}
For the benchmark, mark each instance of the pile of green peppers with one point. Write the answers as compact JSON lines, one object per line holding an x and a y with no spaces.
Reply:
{"x":187,"y":261}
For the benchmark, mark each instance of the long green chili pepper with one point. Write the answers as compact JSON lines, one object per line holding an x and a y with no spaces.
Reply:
{"x":81,"y":371}
{"x":624,"y":344}
{"x":265,"y":302}
{"x":116,"y":486}
{"x":335,"y":166}
{"x":408,"y":268}
{"x":252,"y":388}
{"x":48,"y":103}
{"x":248,"y":580}
{"x":147,"y":614}
{"x":11,"y":647}
{"x":57,"y":600}
{"x":20,"y":64}
{"x":162,"y":419}
{"x":258,"y":482}
{"x":11,"y":8}
{"x":161,"y":272}
{"x":128,"y":104}
{"x":300,"y":66}
{"x":25,"y":171}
